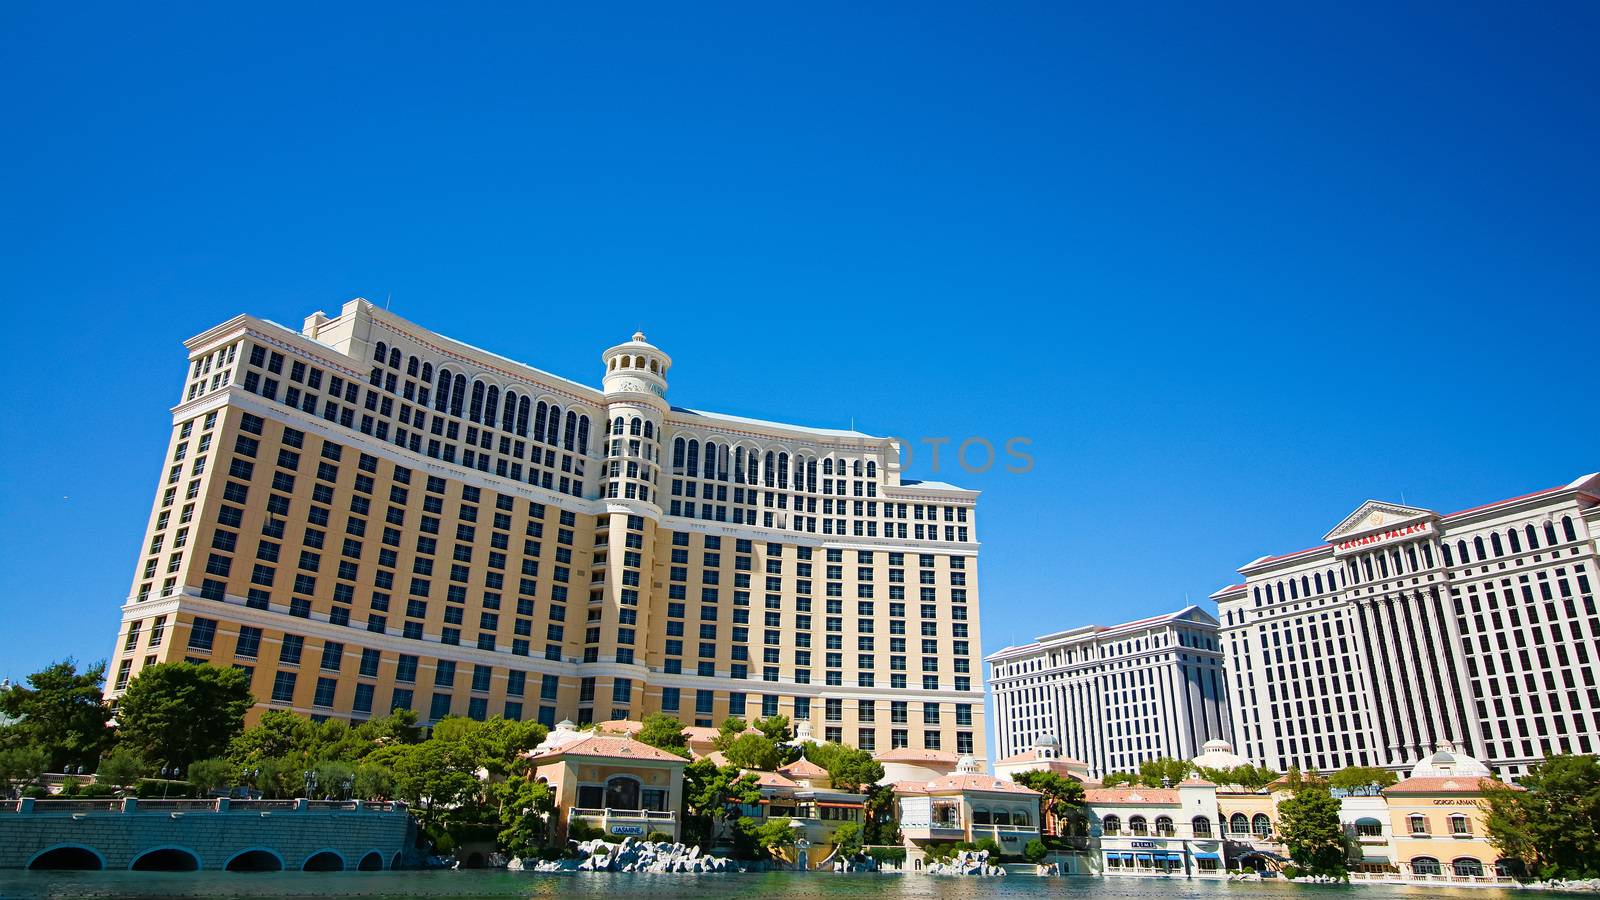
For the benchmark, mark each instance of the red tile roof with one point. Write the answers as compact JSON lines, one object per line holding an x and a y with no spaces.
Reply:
{"x":1445,"y":785}
{"x":1153,"y":796}
{"x":609,"y":747}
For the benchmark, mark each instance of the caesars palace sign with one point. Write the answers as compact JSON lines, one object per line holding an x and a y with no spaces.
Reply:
{"x":1415,"y":529}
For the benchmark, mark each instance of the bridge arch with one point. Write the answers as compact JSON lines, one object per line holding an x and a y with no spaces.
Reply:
{"x":372,"y":862}
{"x":255,"y":859}
{"x":325,"y":860}
{"x":68,"y":857}
{"x":170,"y":858}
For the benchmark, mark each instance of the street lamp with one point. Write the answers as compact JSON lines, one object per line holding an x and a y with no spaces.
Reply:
{"x":311,"y":783}
{"x":249,"y":776}
{"x":167,"y":774}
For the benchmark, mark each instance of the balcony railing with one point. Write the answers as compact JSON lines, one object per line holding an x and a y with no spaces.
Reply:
{"x":130,"y":805}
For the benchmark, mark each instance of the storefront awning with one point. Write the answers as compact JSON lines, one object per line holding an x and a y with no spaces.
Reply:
{"x":841,"y":805}
{"x":1205,"y":856}
{"x":1177,"y":856}
{"x":1119,"y":856}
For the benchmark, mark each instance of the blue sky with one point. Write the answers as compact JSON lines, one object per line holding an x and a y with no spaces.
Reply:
{"x":1231,"y":270}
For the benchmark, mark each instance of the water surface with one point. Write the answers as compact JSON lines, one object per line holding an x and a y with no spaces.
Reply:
{"x":17,"y":885}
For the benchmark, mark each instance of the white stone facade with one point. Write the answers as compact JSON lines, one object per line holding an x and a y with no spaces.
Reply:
{"x":1406,"y":628}
{"x":1115,"y":696}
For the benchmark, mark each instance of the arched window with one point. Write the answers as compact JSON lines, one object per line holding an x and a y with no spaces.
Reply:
{"x":711,"y":460}
{"x":1002,"y":817}
{"x":458,"y":394}
{"x":411,"y":367}
{"x":617,"y":425}
{"x":491,"y":406}
{"x":394,"y":357}
{"x":583,"y":435}
{"x":1021,"y":817}
{"x":649,"y":430}
{"x":783,"y":470}
{"x":1424,"y":865}
{"x":1494,"y":541}
{"x":1319,"y":582}
{"x":508,"y":421}
{"x":569,"y":437}
{"x":1164,"y":826}
{"x":770,"y":467}
{"x":552,"y":426}
{"x":539,"y":414}
{"x":1461,"y":551}
{"x":1367,"y":826}
{"x":1201,"y":826}
{"x":1568,"y":529}
{"x":1137,"y":825}
{"x":1477,"y":547}
{"x":1262,"y":825}
{"x":677,"y":456}
{"x":872,"y":469}
{"x":1112,"y":825}
{"x":522,"y":416}
{"x":622,"y":792}
{"x":980,"y":816}
{"x":1550,"y":534}
{"x":441,"y":397}
{"x":1515,"y":539}
{"x":1467,"y":867}
{"x":382,"y":354}
{"x":1427,"y":554}
{"x":1533,"y":537}
{"x":427,"y":372}
{"x":635,"y":426}
{"x":827,"y":466}
{"x":692,"y":467}
{"x":1238,"y":823}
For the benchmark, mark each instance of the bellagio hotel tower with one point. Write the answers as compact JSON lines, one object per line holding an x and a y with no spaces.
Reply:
{"x":365,"y":515}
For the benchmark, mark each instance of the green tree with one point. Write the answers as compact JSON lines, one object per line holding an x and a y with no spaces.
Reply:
{"x":1245,"y":776}
{"x":729,"y":731}
{"x":209,"y":774}
{"x":713,"y":796}
{"x":60,"y":712}
{"x":336,"y":779}
{"x":1061,"y":794}
{"x":883,"y":824}
{"x":664,"y":732}
{"x":848,"y":838}
{"x":525,"y":808}
{"x":1309,"y":824}
{"x":176,"y":713}
{"x":753,"y":751}
{"x":1154,"y":773}
{"x":1116,"y":779}
{"x":374,"y":781}
{"x":776,"y":728}
{"x":849,"y":769}
{"x":122,"y":768}
{"x":1361,"y":776}
{"x":278,"y":734}
{"x":435,"y":777}
{"x":761,"y":840}
{"x":1035,"y":851}
{"x":21,"y":766}
{"x":1552,"y":827}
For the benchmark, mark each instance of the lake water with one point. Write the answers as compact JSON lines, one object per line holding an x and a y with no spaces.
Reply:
{"x":18,"y":885}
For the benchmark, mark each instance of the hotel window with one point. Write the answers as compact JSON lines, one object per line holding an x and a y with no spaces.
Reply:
{"x":1418,"y":824}
{"x":1459,"y":825}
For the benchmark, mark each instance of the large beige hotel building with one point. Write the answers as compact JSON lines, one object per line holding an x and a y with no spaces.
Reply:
{"x":366,"y":515}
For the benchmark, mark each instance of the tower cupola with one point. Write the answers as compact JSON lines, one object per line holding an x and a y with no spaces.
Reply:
{"x":636,"y":367}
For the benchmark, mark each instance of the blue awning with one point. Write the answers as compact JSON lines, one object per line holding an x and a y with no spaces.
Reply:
{"x":1205,"y":856}
{"x":1177,"y":856}
{"x":1119,"y":856}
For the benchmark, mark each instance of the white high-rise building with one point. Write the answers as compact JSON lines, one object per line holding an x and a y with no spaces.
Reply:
{"x":1114,"y":696}
{"x":1406,"y":628}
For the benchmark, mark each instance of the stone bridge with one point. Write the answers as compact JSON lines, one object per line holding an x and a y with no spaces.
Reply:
{"x":190,"y":835}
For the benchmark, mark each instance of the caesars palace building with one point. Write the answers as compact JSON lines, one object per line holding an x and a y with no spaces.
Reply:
{"x":1406,"y":628}
{"x":365,"y":515}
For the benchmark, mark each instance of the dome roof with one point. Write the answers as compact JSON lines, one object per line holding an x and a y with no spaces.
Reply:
{"x":1218,"y":754}
{"x":1449,"y":760}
